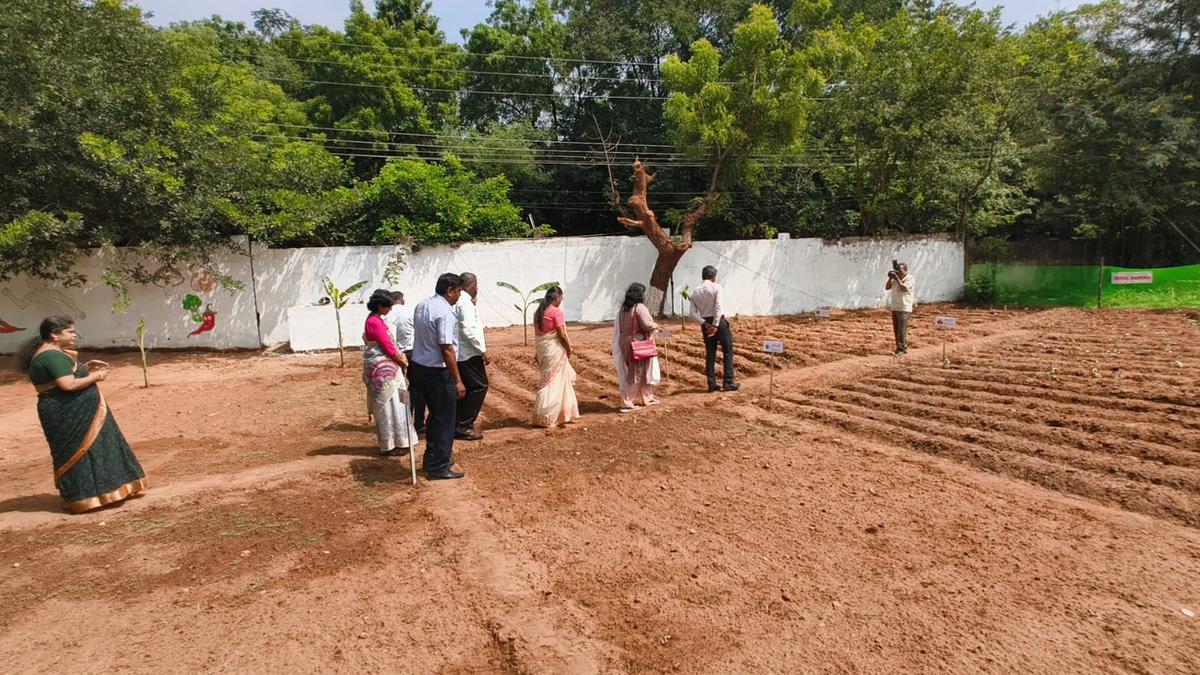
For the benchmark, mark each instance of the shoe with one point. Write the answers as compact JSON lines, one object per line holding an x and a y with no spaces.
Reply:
{"x":395,"y":452}
{"x":444,"y":474}
{"x":467,"y":435}
{"x":629,"y":410}
{"x":731,"y":387}
{"x":654,"y":402}
{"x":712,"y":388}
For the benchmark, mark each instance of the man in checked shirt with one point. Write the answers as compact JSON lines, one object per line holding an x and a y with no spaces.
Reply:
{"x":706,"y":311}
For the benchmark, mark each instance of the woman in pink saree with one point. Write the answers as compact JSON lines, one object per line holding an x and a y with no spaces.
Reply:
{"x":556,"y":402}
{"x":387,"y":388}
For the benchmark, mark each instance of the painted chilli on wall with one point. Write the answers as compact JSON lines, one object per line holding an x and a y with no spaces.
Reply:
{"x":207,"y":319}
{"x":6,"y":328}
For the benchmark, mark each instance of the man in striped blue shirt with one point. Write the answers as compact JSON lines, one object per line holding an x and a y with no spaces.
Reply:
{"x":434,"y":372}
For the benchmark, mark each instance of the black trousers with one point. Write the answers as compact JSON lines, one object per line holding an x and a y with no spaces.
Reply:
{"x":900,"y":330}
{"x":414,"y":395}
{"x":474,"y":376}
{"x":724,"y":338}
{"x":436,"y":388}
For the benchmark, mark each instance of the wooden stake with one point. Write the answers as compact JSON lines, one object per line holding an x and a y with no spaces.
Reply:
{"x":1100,"y":285}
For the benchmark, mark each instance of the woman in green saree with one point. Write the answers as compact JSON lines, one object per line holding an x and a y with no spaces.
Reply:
{"x":93,"y":465}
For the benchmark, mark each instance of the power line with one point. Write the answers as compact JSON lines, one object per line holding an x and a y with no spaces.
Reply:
{"x":456,"y":52}
{"x":430,"y":69}
{"x":967,"y":154}
{"x":614,"y":97}
{"x":459,"y":137}
{"x":586,"y":163}
{"x":517,"y":152}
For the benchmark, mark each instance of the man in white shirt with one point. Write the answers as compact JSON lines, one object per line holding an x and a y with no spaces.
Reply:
{"x":472,"y":359}
{"x":401,"y":317}
{"x":434,"y":370}
{"x":901,"y":287}
{"x":707,"y":311}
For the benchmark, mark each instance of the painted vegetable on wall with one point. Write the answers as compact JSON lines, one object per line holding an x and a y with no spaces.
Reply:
{"x":6,"y":328}
{"x":207,"y":319}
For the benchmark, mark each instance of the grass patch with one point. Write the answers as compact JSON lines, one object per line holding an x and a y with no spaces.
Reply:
{"x":248,"y":523}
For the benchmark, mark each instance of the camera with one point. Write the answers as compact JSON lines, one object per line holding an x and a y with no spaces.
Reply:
{"x":894,"y":273}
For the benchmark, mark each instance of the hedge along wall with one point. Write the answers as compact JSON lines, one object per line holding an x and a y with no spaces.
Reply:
{"x":1077,"y":285}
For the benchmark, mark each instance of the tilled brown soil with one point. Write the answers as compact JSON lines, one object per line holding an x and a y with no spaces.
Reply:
{"x":1030,"y":504}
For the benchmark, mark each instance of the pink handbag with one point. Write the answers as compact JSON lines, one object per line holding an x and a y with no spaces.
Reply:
{"x":642,"y":349}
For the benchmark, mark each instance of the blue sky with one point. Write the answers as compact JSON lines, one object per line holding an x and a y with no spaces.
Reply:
{"x":456,"y":14}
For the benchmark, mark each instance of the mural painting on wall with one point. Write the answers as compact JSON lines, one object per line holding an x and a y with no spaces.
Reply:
{"x":203,"y":280}
{"x":167,"y":277}
{"x":6,"y":328}
{"x":41,"y":296}
{"x":207,"y":319}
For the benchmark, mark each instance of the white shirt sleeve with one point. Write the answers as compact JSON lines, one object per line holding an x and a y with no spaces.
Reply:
{"x":695,"y":311}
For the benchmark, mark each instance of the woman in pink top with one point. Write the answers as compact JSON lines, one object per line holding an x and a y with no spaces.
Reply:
{"x":556,"y":402}
{"x":637,"y":377}
{"x":387,"y":389}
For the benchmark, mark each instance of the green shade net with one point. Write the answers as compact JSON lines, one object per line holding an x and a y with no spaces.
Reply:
{"x":1076,"y":286}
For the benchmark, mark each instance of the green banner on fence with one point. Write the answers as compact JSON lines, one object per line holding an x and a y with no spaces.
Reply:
{"x":1076,"y":286}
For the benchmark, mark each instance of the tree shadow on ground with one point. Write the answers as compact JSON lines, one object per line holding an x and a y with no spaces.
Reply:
{"x":382,"y":471}
{"x":350,"y":450}
{"x":47,"y":502}
{"x":596,"y":407}
{"x":349,"y":426}
{"x":507,"y":423}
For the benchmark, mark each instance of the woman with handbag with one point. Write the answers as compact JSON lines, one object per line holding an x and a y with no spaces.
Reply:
{"x":636,"y":328}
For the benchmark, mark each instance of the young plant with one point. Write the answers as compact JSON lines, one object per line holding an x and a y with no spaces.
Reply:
{"x":339,"y":299}
{"x":527,"y":301}
{"x":687,"y":297}
{"x":141,"y":338}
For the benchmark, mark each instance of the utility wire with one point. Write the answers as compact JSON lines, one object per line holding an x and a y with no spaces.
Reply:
{"x":456,"y":52}
{"x":430,"y":69}
{"x":614,"y":97}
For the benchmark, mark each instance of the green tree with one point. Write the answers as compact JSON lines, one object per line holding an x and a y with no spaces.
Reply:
{"x":171,"y":153}
{"x":1120,"y":157}
{"x":732,"y":114}
{"x":385,"y":84}
{"x":425,"y":203}
{"x":922,"y":132}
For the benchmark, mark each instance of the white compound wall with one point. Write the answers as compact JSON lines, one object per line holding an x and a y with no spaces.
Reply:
{"x":760,"y":277}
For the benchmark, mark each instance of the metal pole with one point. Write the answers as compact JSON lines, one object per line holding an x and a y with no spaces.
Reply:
{"x":771,"y":388}
{"x":1100,"y":285}
{"x":944,"y":331}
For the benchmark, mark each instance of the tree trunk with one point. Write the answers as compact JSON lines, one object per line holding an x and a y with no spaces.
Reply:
{"x":669,"y":252}
{"x":660,"y":278}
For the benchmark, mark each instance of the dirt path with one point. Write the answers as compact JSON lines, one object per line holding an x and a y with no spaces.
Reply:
{"x":1031,"y":507}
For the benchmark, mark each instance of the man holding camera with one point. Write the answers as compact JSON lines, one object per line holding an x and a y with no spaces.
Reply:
{"x":900,"y":287}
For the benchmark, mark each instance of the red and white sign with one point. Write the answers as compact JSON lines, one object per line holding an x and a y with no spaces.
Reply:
{"x":1133,"y":277}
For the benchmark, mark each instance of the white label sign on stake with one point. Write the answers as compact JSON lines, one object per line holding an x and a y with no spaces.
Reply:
{"x":1133,"y":277}
{"x":946,"y":322}
{"x":773,"y":346}
{"x":822,"y":313}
